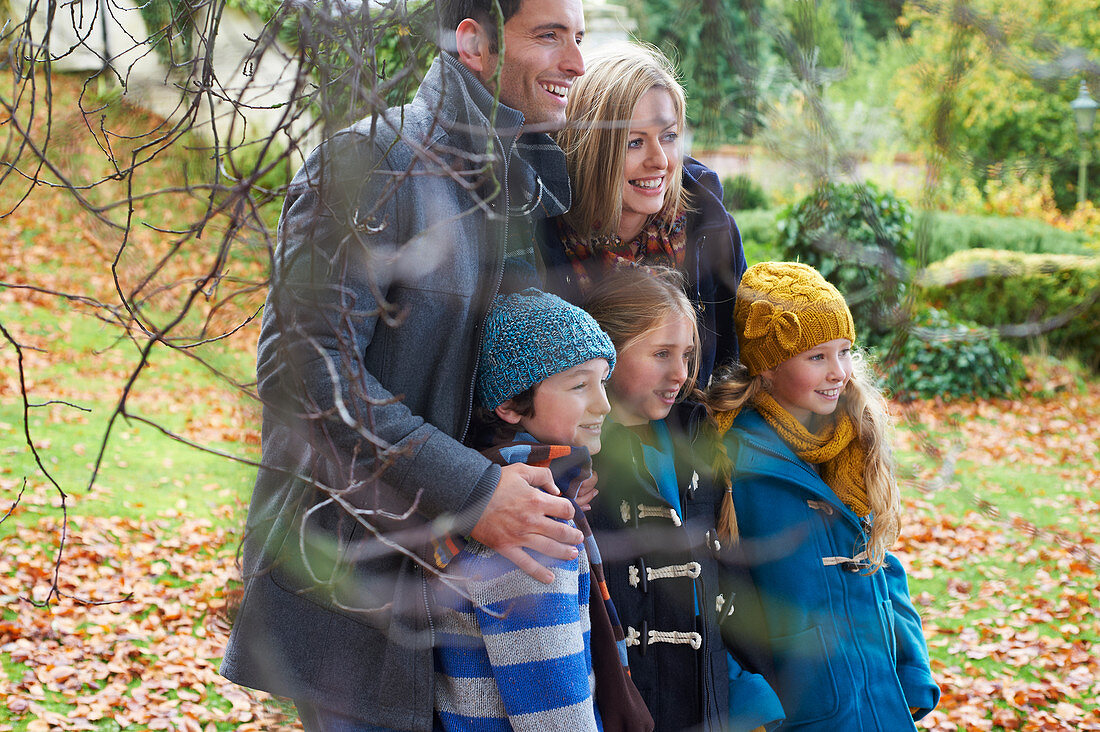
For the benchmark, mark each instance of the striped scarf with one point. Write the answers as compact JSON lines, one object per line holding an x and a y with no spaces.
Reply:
{"x":620,"y":704}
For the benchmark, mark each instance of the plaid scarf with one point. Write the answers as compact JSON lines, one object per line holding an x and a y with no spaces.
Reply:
{"x":834,"y":448}
{"x":659,"y":242}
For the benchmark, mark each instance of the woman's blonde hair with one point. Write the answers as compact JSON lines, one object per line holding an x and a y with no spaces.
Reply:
{"x":732,"y":388}
{"x":600,"y":107}
{"x":631,"y":302}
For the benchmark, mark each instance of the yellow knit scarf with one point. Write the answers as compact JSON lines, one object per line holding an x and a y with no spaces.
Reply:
{"x":834,"y":447}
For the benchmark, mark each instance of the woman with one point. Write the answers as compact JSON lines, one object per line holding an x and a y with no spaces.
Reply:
{"x":637,"y":199}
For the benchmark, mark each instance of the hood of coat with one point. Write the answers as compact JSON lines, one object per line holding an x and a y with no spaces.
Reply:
{"x":706,"y":196}
{"x":773,"y":458}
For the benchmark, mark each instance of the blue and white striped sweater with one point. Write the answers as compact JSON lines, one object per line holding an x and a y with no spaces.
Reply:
{"x":512,"y":652}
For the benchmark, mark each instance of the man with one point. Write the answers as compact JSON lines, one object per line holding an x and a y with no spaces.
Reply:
{"x":394,"y":238}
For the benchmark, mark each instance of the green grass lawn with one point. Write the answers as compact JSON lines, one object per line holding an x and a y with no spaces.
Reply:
{"x":143,"y":471}
{"x":991,"y":554}
{"x":1002,"y":558}
{"x":158,"y":527}
{"x":155,"y":535}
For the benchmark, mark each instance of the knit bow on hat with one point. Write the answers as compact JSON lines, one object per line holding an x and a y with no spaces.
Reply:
{"x":766,"y":319}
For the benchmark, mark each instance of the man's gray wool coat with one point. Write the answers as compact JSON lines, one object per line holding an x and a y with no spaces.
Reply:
{"x":391,"y":245}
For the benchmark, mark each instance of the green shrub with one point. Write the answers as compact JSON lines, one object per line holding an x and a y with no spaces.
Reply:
{"x":942,"y":356}
{"x":1053,"y":296}
{"x":171,"y":25}
{"x":742,"y":193}
{"x":858,"y":238}
{"x":758,"y":234}
{"x":261,"y":164}
{"x":948,"y":233}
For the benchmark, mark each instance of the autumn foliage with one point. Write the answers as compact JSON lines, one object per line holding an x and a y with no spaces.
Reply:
{"x":147,"y":657}
{"x":992,"y":586}
{"x":1008,"y":598}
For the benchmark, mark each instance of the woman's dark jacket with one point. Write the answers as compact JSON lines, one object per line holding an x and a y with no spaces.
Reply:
{"x":685,"y":684}
{"x":713,"y":266}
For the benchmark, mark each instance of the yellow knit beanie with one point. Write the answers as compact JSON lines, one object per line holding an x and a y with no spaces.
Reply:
{"x":783,"y":309}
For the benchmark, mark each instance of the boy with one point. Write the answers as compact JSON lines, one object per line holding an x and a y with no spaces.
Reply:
{"x":511,"y":652}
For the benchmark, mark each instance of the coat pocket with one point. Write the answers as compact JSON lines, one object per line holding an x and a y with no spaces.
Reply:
{"x":805,"y":680}
{"x":886,"y":614}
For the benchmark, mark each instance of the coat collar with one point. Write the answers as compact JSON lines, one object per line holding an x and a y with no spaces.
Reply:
{"x":469,"y":113}
{"x":703,"y":185}
{"x":755,"y":432}
{"x":625,"y":444}
{"x":464,"y":106}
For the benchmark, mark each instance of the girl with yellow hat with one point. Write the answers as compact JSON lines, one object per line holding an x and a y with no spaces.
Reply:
{"x":813,"y":507}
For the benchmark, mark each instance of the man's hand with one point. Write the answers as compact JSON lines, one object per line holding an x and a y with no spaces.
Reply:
{"x":521,"y":515}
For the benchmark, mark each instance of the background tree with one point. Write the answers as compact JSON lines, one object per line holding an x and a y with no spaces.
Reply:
{"x":179,"y":212}
{"x":732,"y":55}
{"x":720,"y":47}
{"x":1018,"y":64}
{"x":880,"y":16}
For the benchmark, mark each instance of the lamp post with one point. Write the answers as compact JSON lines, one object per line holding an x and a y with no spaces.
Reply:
{"x":1084,"y":114}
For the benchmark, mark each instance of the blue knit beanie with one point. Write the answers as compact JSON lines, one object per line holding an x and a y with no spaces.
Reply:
{"x":530,"y":336}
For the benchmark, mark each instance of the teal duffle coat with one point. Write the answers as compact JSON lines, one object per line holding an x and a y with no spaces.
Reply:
{"x":847,"y":647}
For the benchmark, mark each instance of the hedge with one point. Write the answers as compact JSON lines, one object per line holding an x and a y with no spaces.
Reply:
{"x":945,"y":234}
{"x":948,"y":233}
{"x":758,"y":233}
{"x":1055,"y":296}
{"x":742,"y":193}
{"x":859,"y":238}
{"x":942,"y":356}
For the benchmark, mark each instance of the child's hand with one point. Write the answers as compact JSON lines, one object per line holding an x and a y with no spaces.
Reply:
{"x":587,"y":492}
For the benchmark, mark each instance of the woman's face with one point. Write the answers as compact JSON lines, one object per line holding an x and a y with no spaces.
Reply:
{"x":652,"y":158}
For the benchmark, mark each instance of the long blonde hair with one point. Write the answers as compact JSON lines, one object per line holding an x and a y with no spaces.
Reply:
{"x":732,"y":388}
{"x":631,"y":302}
{"x":600,"y":107}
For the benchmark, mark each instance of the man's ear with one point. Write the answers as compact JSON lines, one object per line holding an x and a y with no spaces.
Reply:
{"x":507,"y":413}
{"x":473,"y":47}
